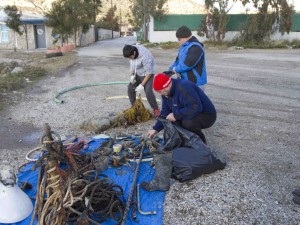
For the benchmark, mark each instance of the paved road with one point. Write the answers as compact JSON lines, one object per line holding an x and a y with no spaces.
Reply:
{"x":256,"y":93}
{"x":108,"y":48}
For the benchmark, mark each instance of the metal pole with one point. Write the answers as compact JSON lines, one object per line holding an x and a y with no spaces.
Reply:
{"x":133,"y":185}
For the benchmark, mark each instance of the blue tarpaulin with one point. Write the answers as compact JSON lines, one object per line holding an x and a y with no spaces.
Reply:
{"x":150,"y":201}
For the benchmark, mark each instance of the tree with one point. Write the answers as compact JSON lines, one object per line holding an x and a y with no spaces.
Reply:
{"x":110,"y":20}
{"x":216,"y":18}
{"x":95,"y":8}
{"x":141,"y":11}
{"x":13,"y":20}
{"x":58,"y":19}
{"x":272,"y":16}
{"x":68,"y":17}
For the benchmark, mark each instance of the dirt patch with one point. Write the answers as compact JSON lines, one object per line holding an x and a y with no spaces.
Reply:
{"x":38,"y":59}
{"x":16,"y":135}
{"x":30,"y":66}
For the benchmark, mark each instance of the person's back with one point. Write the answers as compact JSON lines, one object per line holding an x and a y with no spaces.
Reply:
{"x":185,"y":103}
{"x":144,"y":63}
{"x":190,"y":61}
{"x":184,"y":92}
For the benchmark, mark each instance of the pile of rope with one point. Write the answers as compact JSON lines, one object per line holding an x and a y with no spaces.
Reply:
{"x":70,"y":189}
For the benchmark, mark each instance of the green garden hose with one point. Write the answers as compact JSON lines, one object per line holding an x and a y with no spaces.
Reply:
{"x":84,"y":86}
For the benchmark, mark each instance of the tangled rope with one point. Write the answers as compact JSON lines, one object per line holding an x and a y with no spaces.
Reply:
{"x":76,"y":193}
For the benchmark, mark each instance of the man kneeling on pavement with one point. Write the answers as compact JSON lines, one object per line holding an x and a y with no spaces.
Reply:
{"x":186,"y":105}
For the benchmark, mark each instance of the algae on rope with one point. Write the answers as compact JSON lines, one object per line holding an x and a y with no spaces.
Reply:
{"x":136,"y":114}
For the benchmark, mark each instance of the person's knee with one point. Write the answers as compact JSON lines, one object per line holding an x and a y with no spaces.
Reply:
{"x":187,"y":124}
{"x":208,"y":120}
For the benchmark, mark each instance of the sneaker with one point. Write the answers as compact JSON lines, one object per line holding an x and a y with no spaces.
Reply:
{"x":156,"y":112}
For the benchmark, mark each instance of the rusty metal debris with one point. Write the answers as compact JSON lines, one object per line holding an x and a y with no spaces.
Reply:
{"x":70,"y":187}
{"x":78,"y":193}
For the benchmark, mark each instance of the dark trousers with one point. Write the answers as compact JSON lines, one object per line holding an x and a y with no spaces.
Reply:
{"x":147,"y":88}
{"x":202,"y":121}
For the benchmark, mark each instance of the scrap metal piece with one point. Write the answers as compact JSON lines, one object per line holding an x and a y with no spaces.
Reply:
{"x":139,"y":203}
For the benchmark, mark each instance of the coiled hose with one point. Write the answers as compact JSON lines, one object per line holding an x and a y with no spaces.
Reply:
{"x":56,"y":99}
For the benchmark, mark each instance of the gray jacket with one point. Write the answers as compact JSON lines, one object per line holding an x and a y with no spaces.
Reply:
{"x":144,"y":63}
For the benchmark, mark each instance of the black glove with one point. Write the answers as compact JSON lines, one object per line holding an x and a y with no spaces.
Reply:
{"x":168,"y":73}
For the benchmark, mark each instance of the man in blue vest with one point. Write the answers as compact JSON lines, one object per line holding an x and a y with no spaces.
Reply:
{"x":190,"y":61}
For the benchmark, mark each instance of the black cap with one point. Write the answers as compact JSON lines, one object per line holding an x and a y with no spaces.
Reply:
{"x":183,"y":32}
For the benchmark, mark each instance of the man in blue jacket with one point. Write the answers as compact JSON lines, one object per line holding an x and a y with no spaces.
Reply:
{"x":183,"y":102}
{"x":190,"y":61}
{"x":186,"y":104}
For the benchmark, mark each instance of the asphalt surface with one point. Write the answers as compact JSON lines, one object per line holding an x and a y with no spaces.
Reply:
{"x":257,"y":97}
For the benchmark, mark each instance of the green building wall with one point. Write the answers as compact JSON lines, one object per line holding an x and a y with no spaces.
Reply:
{"x":235,"y":22}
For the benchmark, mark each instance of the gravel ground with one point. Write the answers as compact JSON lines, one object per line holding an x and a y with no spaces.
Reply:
{"x":256,"y":93}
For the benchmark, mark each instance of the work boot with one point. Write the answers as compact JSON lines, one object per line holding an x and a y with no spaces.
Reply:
{"x":163,"y":171}
{"x":296,"y":192}
{"x":296,"y":199}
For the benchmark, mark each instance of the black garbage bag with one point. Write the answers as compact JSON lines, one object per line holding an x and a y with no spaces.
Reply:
{"x":172,"y":138}
{"x":191,"y":157}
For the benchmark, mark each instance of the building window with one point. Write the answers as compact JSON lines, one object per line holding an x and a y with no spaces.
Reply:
{"x":3,"y":33}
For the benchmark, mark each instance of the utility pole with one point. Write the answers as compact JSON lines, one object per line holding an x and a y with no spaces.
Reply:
{"x":111,"y":22}
{"x":120,"y":20}
{"x":145,"y":29}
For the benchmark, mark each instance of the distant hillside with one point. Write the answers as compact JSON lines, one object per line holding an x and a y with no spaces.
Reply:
{"x":28,"y":6}
{"x":184,"y":7}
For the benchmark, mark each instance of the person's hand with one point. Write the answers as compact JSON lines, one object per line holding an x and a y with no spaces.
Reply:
{"x":171,"y":117}
{"x":139,"y":88}
{"x":132,"y":79}
{"x":151,"y":133}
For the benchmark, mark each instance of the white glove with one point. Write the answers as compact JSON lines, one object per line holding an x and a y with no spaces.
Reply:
{"x":139,"y":88}
{"x":132,"y":79}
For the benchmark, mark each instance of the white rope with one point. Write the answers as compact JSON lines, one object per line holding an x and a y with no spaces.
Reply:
{"x":31,"y":151}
